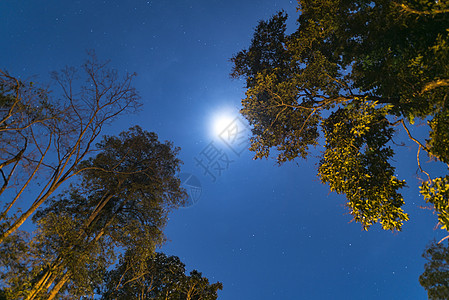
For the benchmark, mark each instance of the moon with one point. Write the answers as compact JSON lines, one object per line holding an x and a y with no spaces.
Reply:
{"x":220,"y":121}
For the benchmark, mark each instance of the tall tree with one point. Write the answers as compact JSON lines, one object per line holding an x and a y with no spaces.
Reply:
{"x":356,"y":71}
{"x":159,"y":277}
{"x":121,"y":202}
{"x":59,"y":134}
{"x":25,"y":109}
{"x":435,"y":278}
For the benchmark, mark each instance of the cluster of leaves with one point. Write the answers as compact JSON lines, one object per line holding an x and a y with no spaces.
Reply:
{"x":354,"y":70}
{"x":355,"y":163}
{"x":436,"y":191}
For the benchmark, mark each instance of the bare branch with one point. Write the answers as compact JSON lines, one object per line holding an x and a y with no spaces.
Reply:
{"x":435,"y":84}
{"x":419,"y":147}
{"x":408,"y":9}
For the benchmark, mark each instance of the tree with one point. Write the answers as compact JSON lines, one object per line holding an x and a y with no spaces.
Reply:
{"x":24,"y":110}
{"x":15,"y":261}
{"x":158,"y":277}
{"x":435,"y":278}
{"x":197,"y":287}
{"x":121,"y":202}
{"x":355,"y":71}
{"x":56,"y":134}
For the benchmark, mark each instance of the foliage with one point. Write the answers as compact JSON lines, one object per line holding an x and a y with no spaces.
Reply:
{"x":355,"y":163}
{"x":121,"y":202}
{"x":354,"y":70}
{"x":156,"y":277}
{"x":15,"y":260}
{"x":436,"y":191}
{"x":435,"y":278}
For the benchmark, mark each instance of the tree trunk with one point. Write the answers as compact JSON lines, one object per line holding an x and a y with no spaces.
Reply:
{"x":59,"y":285}
{"x":28,"y":213}
{"x":45,"y":281}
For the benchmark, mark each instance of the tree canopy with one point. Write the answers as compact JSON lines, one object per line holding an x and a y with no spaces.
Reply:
{"x":121,"y":202}
{"x":435,"y":278}
{"x":353,"y":73}
{"x":157,"y":277}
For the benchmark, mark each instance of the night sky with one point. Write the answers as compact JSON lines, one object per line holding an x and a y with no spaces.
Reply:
{"x":264,"y":231}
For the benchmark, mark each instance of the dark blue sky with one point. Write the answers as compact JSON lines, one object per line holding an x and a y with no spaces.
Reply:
{"x":265,"y":232}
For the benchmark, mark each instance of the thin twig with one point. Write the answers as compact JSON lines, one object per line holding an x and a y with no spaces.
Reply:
{"x":419,"y":148}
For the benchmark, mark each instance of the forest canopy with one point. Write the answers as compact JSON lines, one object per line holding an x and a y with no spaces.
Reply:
{"x":353,"y":73}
